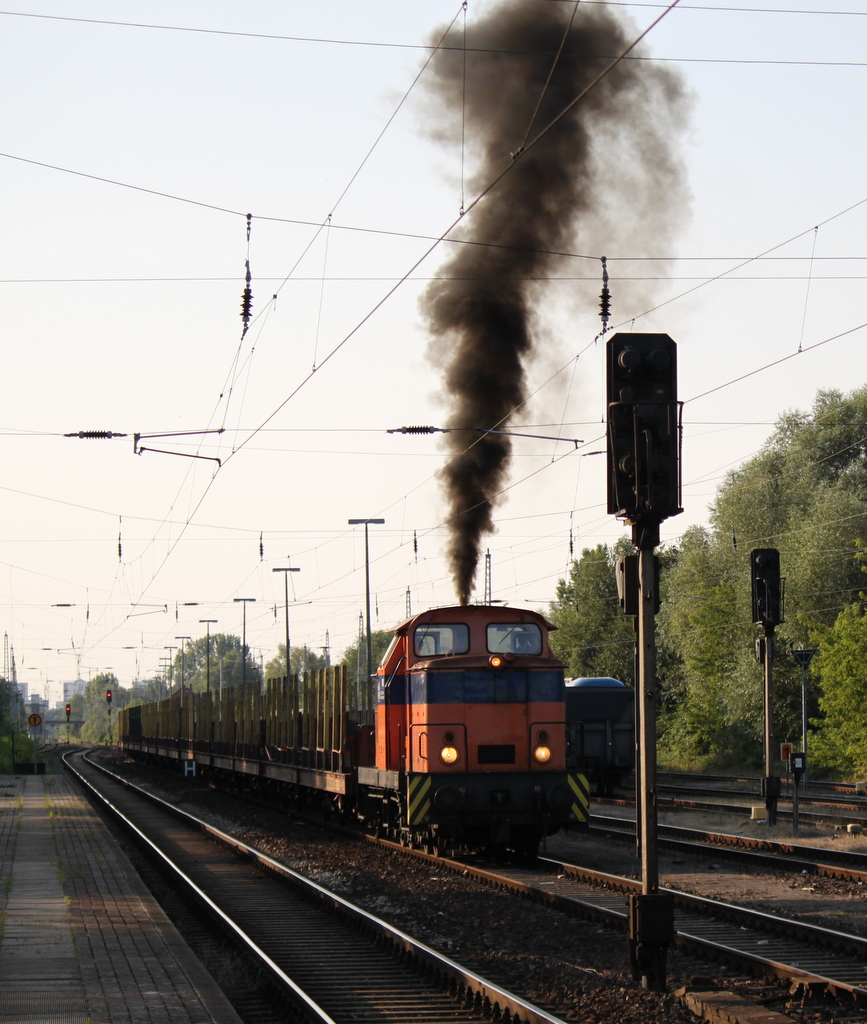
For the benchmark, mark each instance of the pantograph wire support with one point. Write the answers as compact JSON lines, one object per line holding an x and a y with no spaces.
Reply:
{"x":247,"y":295}
{"x":604,"y":300}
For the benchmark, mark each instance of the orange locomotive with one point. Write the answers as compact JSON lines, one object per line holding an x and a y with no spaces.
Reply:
{"x":471,"y":735}
{"x":464,"y":746}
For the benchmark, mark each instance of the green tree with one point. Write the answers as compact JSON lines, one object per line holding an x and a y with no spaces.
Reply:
{"x":100,"y":723}
{"x":700,"y":626}
{"x":842,"y":662}
{"x":226,"y":666}
{"x":11,"y":707}
{"x":805,"y":495}
{"x":593,"y":636}
{"x":303,"y":660}
{"x":355,"y":656}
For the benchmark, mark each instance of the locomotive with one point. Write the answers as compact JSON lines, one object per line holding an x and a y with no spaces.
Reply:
{"x":463,"y":744}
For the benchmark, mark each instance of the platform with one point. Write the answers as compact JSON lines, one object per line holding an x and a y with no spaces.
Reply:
{"x":84,"y":942}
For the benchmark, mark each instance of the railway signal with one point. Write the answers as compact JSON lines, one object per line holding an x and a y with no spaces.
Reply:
{"x":767,"y":597}
{"x":644,"y":488}
{"x":767,"y":587}
{"x":644,"y":428}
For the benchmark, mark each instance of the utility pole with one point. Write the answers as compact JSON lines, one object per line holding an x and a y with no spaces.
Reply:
{"x":170,"y":676}
{"x":803,"y":658}
{"x":208,"y":623}
{"x":183,"y":640}
{"x":243,"y":601}
{"x":366,"y":523}
{"x":286,"y":570}
{"x":644,"y":439}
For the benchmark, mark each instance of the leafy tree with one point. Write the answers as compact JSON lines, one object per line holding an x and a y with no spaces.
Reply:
{"x":700,"y":622}
{"x":226,"y":665}
{"x":100,"y":723}
{"x":11,"y":708}
{"x":842,"y":662}
{"x":805,"y":495}
{"x":303,"y":660}
{"x":355,"y":656}
{"x":593,"y":637}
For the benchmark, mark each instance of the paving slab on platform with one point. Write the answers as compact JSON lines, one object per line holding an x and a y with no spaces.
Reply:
{"x":84,"y":942}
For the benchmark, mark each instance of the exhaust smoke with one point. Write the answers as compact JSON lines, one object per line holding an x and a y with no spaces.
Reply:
{"x":605,"y":176}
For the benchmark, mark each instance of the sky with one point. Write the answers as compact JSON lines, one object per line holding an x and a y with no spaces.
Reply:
{"x":137,"y":136}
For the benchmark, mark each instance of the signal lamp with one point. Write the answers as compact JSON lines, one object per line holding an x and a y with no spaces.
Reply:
{"x":767,"y":587}
{"x":108,"y":697}
{"x":644,"y":428}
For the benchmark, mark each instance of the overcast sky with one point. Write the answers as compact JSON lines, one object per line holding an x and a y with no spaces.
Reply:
{"x":137,"y":137}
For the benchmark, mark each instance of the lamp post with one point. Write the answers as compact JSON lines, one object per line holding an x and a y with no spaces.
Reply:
{"x":183,"y":639}
{"x":366,"y":523}
{"x":243,"y":601}
{"x":208,"y":655}
{"x":804,"y":656}
{"x":170,"y":675}
{"x":286,"y":570}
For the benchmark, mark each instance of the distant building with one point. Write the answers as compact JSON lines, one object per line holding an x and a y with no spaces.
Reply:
{"x":70,"y":690}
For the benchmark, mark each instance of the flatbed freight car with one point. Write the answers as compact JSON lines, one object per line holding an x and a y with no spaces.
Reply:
{"x":601,"y":716}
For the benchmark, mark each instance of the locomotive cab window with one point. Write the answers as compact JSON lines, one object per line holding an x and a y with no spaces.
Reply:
{"x":437,"y":638}
{"x":514,"y":638}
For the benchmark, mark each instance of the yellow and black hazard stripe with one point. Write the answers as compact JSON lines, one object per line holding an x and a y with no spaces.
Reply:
{"x":418,"y":797}
{"x":580,"y":796}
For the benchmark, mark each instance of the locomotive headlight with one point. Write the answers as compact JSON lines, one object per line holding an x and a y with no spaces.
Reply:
{"x":542,"y":754}
{"x":449,"y":754}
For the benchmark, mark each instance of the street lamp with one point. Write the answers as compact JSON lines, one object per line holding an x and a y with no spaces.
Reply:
{"x":243,"y":601}
{"x":366,"y":523}
{"x":183,"y":667}
{"x":170,"y":675}
{"x":208,"y":655}
{"x":286,"y":570}
{"x":804,"y":656}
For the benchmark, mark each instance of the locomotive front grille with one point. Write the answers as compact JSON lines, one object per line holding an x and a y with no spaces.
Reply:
{"x":496,"y":753}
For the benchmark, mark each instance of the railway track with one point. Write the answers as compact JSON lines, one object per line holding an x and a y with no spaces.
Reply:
{"x":834,"y":815}
{"x":807,"y":957}
{"x":830,"y":800}
{"x":761,"y":854}
{"x":816,"y":790}
{"x":330,"y":960}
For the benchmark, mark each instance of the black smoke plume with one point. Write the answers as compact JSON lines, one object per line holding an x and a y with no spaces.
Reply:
{"x":606,"y":172}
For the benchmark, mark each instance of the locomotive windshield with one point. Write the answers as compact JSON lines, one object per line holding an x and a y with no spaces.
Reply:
{"x":435,"y":638}
{"x":514,"y":638}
